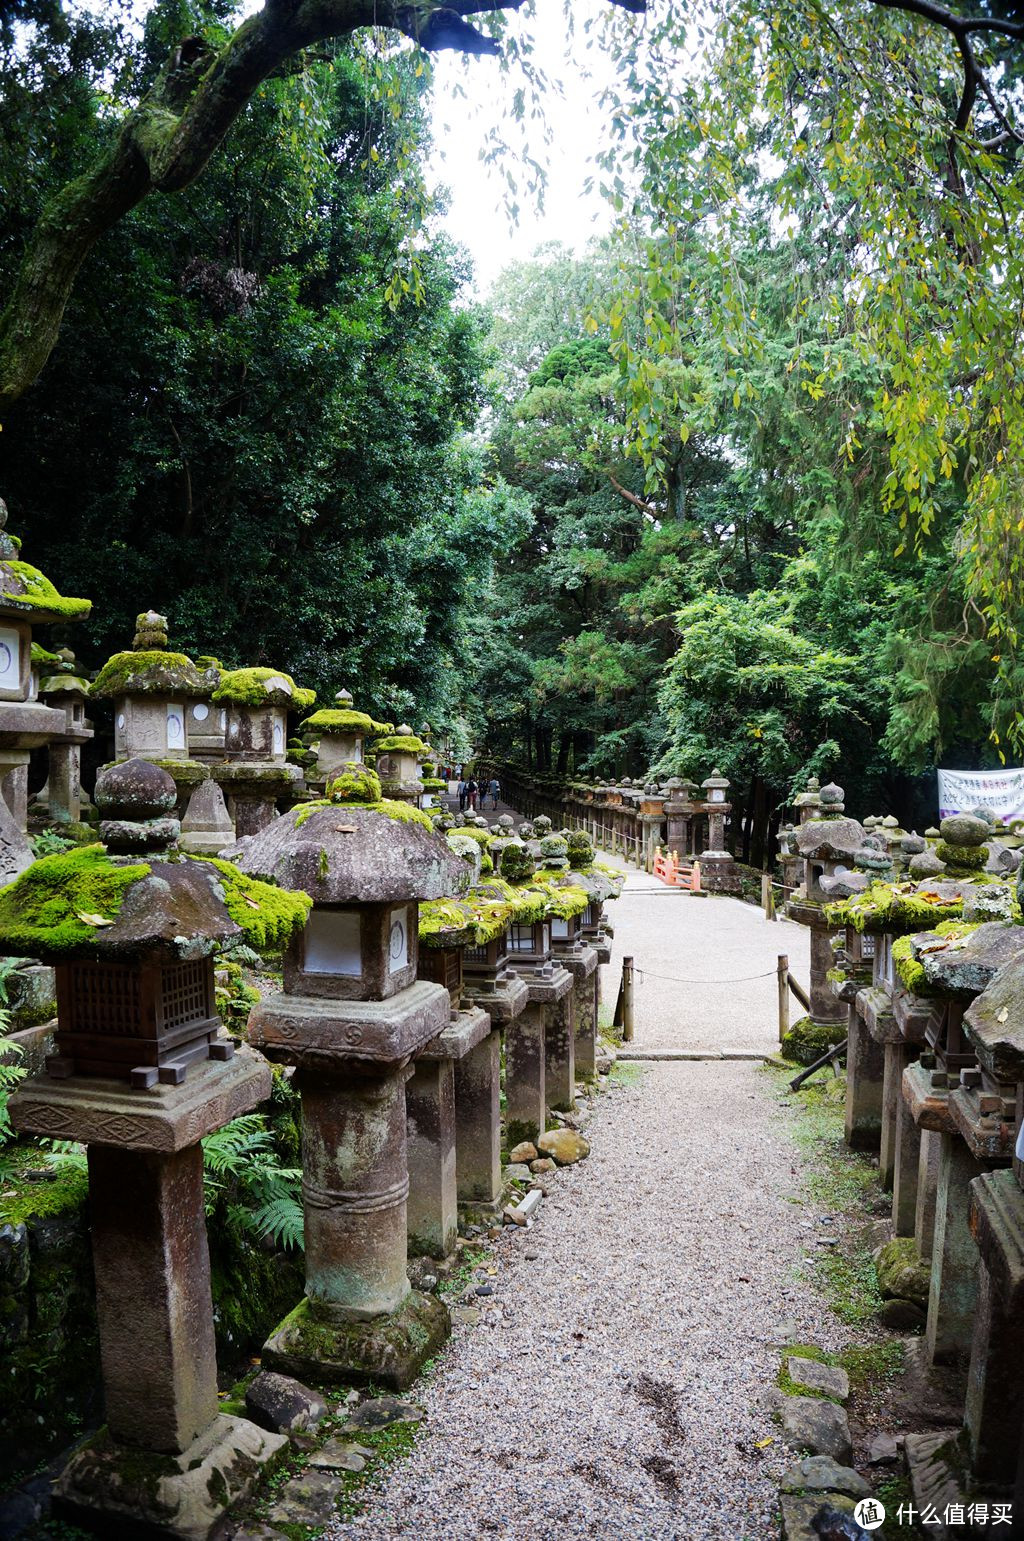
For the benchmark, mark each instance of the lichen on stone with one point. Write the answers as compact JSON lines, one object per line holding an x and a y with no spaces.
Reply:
{"x":41,"y":911}
{"x":153,"y":672}
{"x":32,"y":590}
{"x":262,"y":687}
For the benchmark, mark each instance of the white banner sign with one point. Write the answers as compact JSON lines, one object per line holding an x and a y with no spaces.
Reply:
{"x":1001,"y":790}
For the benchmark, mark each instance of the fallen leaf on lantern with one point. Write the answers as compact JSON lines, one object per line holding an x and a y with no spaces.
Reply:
{"x":93,"y":920}
{"x":345,"y":829}
{"x":251,"y":903}
{"x":1003,"y":1014}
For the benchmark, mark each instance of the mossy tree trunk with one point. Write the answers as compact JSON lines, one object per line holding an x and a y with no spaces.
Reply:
{"x":169,"y":138}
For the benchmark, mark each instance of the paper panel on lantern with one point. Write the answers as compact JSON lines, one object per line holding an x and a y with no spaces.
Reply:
{"x":175,"y":726}
{"x":10,"y":659}
{"x":331,"y":943}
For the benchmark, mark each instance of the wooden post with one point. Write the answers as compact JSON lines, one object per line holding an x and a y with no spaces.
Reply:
{"x":627,"y":1000}
{"x":767,"y":896}
{"x":783,"y":974}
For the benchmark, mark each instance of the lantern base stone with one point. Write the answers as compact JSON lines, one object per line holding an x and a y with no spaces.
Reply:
{"x":120,"y":1491}
{"x":385,"y":1351}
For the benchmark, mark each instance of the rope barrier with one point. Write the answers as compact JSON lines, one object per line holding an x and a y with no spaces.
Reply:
{"x":675,"y":980}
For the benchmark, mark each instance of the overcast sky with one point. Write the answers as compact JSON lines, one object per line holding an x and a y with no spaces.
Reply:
{"x":478,"y":219}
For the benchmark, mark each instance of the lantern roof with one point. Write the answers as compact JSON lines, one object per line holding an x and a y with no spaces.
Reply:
{"x":344,"y":853}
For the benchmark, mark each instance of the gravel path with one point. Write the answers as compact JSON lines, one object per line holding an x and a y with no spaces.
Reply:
{"x":615,"y":1385}
{"x":672,"y":934}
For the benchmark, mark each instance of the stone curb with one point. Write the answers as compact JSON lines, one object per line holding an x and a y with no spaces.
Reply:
{"x":627,"y":1052}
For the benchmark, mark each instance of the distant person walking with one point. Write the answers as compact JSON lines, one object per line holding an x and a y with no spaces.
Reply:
{"x":494,"y":787}
{"x":472,"y":789}
{"x":463,"y":794}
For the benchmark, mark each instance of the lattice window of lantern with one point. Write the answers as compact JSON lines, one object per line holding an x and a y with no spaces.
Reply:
{"x":476,"y":954}
{"x":101,"y":998}
{"x":185,"y":996}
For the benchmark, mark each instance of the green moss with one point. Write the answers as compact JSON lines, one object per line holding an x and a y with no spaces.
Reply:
{"x":357,"y":783}
{"x":398,"y":743}
{"x":445,"y":923}
{"x":25,"y":1201}
{"x":40,"y":912}
{"x":565,"y":899}
{"x":331,"y":720}
{"x":894,"y":907}
{"x":910,"y":970}
{"x":41,"y":657}
{"x":308,"y":809}
{"x":807,"y":1041}
{"x":402,"y":813}
{"x":962,"y":858}
{"x":39,"y":592}
{"x":250,"y":687}
{"x":268,"y":915}
{"x":153,"y":672}
{"x":482,"y":837}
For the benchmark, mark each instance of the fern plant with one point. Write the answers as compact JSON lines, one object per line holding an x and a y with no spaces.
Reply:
{"x":242,"y":1173}
{"x":10,"y":1073}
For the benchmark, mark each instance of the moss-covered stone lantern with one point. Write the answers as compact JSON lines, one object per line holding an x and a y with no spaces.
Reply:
{"x":152,"y":690}
{"x":586,"y":945}
{"x":254,"y":772}
{"x":351,"y":1017}
{"x":142,"y":1072}
{"x":27,"y":599}
{"x":548,"y":984}
{"x":453,"y":1095}
{"x":398,"y":764}
{"x":341,"y":735}
{"x":62,"y":687}
{"x":826,"y":846}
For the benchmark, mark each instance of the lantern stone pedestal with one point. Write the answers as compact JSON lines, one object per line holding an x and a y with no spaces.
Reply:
{"x":359,"y":1323}
{"x":166,"y":1464}
{"x":526,"y":1087}
{"x":490,"y":984}
{"x":437,"y":1124}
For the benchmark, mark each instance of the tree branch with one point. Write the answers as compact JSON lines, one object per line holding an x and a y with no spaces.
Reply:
{"x":168,"y":140}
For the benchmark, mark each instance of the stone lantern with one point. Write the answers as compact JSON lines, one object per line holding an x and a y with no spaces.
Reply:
{"x":342,"y":735}
{"x":142,"y":1072}
{"x":152,"y":690}
{"x":808,"y":803}
{"x":350,"y":1019}
{"x":678,"y":812}
{"x":27,"y":599}
{"x":254,"y":772}
{"x":995,"y":1108}
{"x":571,"y":949}
{"x":489,"y":983}
{"x":825,"y":846}
{"x":652,"y":822}
{"x":398,"y":764}
{"x":66,"y":691}
{"x":453,"y":1096}
{"x":548,"y":984}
